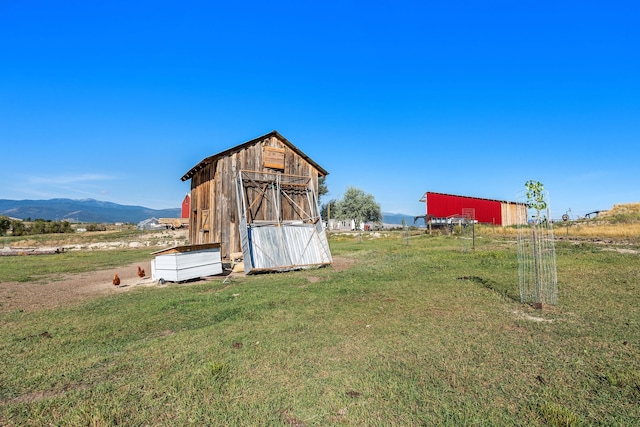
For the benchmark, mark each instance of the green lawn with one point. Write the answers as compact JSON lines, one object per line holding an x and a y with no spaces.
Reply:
{"x":417,"y":331}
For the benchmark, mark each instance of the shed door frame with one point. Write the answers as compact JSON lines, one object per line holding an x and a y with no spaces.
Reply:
{"x":273,"y":242}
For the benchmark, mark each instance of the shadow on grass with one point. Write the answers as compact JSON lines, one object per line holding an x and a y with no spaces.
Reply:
{"x":492,"y":285}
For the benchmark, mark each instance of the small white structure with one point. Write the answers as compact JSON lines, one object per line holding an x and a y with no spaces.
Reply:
{"x":181,"y":263}
{"x":150,"y":224}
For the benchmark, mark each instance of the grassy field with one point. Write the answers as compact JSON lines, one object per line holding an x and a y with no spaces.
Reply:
{"x":41,"y":269}
{"x":418,"y":330}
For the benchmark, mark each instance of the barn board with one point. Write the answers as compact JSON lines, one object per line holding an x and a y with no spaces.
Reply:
{"x":273,"y":157}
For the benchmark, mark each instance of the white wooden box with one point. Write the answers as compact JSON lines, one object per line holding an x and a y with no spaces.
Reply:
{"x":181,"y":263}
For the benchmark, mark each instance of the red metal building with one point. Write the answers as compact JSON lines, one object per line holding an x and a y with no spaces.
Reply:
{"x":486,"y":211}
{"x":186,"y":206}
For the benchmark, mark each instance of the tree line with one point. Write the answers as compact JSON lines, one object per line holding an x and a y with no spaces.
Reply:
{"x":37,"y":226}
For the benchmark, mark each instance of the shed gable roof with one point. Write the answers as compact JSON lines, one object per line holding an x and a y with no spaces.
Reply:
{"x":208,"y":160}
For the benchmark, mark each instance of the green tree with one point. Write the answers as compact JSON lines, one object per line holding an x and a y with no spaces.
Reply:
{"x":358,"y":206}
{"x":322,"y":186}
{"x":5,"y":225}
{"x":38,"y":226}
{"x":327,"y":209}
{"x":17,"y":228}
{"x":535,"y":198}
{"x":96,"y":227}
{"x":53,"y":227}
{"x":66,"y":227}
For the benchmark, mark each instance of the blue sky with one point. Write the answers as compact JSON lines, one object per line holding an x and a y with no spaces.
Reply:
{"x":117,"y":100}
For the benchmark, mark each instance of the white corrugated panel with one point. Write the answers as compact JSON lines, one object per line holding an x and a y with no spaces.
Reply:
{"x":287,"y":247}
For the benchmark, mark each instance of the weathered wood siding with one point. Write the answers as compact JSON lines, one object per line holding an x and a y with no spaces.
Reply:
{"x":213,"y":193}
{"x":511,"y":212}
{"x":201,"y":184}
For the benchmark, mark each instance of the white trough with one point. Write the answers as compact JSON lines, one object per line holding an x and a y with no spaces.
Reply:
{"x":181,"y":263}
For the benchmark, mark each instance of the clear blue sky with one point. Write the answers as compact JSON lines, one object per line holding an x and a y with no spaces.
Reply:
{"x":116,"y":100}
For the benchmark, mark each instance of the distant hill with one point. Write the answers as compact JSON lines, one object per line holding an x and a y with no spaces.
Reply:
{"x":90,"y":210}
{"x":393,"y":218}
{"x":87,"y":210}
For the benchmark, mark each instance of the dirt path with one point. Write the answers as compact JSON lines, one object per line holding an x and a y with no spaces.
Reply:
{"x":75,"y":288}
{"x":71,"y":288}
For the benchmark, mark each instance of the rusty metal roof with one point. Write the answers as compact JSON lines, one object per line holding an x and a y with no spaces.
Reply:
{"x":187,"y":248}
{"x":206,"y":161}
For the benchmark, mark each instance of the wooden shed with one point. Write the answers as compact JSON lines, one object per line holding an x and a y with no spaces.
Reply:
{"x":262,"y":182}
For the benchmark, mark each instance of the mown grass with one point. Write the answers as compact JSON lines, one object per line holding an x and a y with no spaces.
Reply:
{"x":415,"y":332}
{"x":35,"y":268}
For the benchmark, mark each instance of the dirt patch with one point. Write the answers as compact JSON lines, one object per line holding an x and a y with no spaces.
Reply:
{"x":75,"y":288}
{"x":531,"y":318}
{"x":71,"y":288}
{"x":623,"y":251}
{"x":342,"y":263}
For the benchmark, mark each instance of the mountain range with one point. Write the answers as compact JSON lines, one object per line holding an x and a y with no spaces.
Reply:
{"x":86,"y":211}
{"x":396,"y":218}
{"x":96,"y":211}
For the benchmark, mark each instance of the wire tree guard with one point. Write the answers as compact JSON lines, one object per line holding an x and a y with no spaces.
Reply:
{"x":536,"y":249}
{"x":468,"y":229}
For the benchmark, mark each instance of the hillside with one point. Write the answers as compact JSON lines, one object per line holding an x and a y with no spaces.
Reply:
{"x":394,"y":218}
{"x":90,"y":210}
{"x":628,"y":212}
{"x":87,"y":210}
